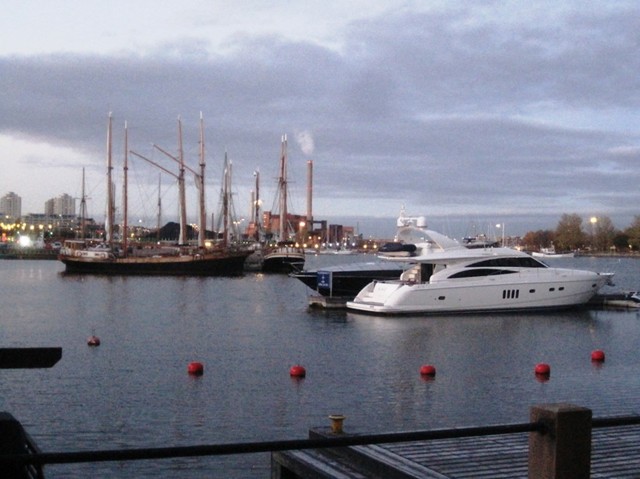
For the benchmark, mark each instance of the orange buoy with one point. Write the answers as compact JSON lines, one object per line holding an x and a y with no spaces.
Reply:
{"x":298,"y":371}
{"x":93,"y":341}
{"x":427,"y":370}
{"x":542,"y":369}
{"x":195,"y":368}
{"x":597,"y":356}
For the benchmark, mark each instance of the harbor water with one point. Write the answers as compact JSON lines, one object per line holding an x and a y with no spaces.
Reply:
{"x":133,"y":390}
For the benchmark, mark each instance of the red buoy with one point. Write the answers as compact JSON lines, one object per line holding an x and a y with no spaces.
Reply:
{"x":598,"y":356}
{"x":195,"y":368}
{"x":93,"y":341}
{"x":542,"y":369}
{"x":427,"y":370}
{"x":298,"y":371}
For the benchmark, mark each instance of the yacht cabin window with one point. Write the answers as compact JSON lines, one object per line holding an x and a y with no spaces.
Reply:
{"x":512,"y":262}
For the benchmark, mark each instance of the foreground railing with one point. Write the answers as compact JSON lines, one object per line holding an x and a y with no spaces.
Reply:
{"x":559,"y":440}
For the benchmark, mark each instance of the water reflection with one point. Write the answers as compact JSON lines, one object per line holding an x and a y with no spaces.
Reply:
{"x":134,"y":390}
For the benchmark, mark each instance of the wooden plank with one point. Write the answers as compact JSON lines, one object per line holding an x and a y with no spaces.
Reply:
{"x":312,"y":464}
{"x":615,"y":455}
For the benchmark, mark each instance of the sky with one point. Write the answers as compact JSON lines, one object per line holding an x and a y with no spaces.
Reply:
{"x":468,"y":113}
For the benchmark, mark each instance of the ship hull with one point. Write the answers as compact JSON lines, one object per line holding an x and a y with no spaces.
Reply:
{"x":282,"y":263}
{"x":283,"y":259}
{"x":348,"y":280}
{"x":226,"y":264}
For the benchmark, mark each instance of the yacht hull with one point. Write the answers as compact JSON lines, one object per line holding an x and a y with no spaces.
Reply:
{"x":522,"y":291}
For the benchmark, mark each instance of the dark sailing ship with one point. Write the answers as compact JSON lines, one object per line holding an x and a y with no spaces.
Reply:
{"x":124,"y":258}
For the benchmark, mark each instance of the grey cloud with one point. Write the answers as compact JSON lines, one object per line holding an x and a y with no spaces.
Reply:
{"x":435,"y":108}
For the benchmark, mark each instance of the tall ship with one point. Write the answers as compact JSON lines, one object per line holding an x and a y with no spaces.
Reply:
{"x":446,"y":277}
{"x":282,"y":254}
{"x":121,"y":257}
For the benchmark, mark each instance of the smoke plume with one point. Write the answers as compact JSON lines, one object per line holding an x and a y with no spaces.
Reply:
{"x":305,"y":141}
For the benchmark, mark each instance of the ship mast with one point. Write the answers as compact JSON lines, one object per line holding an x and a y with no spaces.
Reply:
{"x":256,"y":206}
{"x":109,"y":220}
{"x":200,"y":184}
{"x":182,"y":240}
{"x":159,"y":219}
{"x":163,"y":169}
{"x":282,"y":185}
{"x":181,"y":184}
{"x":83,"y":209}
{"x":226,"y":196}
{"x":125,"y":194}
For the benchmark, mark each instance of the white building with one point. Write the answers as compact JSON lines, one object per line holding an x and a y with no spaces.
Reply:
{"x":11,"y":206}
{"x":62,"y":205}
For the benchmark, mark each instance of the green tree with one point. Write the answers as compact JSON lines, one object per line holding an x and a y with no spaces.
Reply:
{"x":633,"y":232}
{"x":569,"y":235}
{"x":534,"y":240}
{"x":621,"y":241}
{"x":603,"y":233}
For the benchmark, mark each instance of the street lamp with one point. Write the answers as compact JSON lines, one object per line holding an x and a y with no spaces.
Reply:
{"x":593,"y":220}
{"x":501,"y":226}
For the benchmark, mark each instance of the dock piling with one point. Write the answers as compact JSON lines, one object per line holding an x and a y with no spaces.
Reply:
{"x":562,"y":450}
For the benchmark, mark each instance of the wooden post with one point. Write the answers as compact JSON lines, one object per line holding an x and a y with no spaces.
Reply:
{"x":563,"y":449}
{"x":12,"y":441}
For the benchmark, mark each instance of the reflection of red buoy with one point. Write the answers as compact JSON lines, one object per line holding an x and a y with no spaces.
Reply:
{"x":93,"y":341}
{"x":298,"y":371}
{"x":427,"y":370}
{"x":195,"y":368}
{"x":597,"y":356}
{"x":542,"y":369}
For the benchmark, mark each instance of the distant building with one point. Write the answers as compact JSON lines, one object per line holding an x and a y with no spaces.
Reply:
{"x":271,"y":224}
{"x":55,"y":225}
{"x":62,"y":205}
{"x":314,"y":233}
{"x":11,"y":205}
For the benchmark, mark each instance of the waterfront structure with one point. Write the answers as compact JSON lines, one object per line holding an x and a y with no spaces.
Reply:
{"x":11,"y":206}
{"x":60,"y":205}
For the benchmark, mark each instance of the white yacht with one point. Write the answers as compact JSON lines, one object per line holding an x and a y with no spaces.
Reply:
{"x":446,"y":277}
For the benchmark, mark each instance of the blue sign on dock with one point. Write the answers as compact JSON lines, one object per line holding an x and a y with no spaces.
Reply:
{"x":324,"y":279}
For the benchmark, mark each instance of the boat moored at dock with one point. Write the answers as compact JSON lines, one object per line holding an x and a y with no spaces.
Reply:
{"x":347,"y":280}
{"x":458,"y":279}
{"x":282,"y":254}
{"x":79,"y":257}
{"x":123,"y":258}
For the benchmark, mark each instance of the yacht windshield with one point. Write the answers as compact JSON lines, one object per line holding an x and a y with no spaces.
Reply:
{"x":473,"y":273}
{"x":510,"y":262}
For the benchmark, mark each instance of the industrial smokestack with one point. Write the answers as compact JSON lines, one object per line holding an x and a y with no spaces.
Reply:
{"x":309,"y":193}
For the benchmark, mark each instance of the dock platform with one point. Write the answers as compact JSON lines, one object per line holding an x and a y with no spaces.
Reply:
{"x":615,"y":454}
{"x":328,"y":302}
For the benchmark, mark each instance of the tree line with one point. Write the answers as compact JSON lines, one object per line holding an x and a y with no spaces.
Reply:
{"x":598,"y":234}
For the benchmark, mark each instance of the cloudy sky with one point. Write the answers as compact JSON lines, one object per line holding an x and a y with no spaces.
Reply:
{"x":505,"y":111}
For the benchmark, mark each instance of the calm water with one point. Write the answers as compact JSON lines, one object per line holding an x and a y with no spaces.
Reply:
{"x":134,"y":390}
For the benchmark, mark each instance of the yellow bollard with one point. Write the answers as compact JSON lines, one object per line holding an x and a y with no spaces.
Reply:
{"x":336,"y":423}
